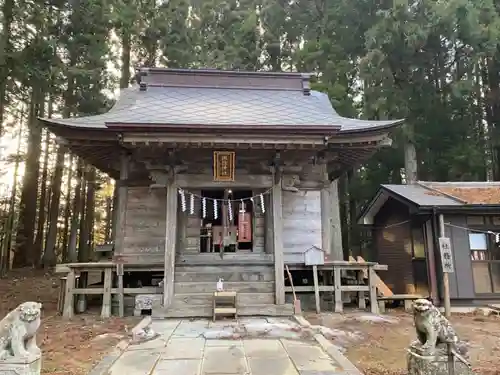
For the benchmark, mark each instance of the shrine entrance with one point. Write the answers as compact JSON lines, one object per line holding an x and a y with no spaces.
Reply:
{"x":227,"y":224}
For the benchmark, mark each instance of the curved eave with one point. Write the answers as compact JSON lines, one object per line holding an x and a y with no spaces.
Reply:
{"x":52,"y":123}
{"x":358,"y":127}
{"x":98,"y":147}
{"x":371,"y":126}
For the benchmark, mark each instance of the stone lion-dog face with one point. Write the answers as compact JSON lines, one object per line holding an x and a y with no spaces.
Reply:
{"x":18,"y":331}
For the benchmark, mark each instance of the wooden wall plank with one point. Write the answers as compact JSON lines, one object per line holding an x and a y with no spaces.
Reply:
{"x":145,"y":221}
{"x":301,"y":223}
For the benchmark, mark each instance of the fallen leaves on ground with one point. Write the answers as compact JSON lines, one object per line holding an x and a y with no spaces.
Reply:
{"x":68,"y":347}
{"x":382,"y":349}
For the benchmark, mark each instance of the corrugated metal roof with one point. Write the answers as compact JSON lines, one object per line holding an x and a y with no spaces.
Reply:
{"x":422,"y":196}
{"x":222,"y":106}
{"x":435,"y":194}
{"x":473,"y":192}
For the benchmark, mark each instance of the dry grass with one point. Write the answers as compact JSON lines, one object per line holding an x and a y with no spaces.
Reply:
{"x":382,"y":349}
{"x":68,"y":347}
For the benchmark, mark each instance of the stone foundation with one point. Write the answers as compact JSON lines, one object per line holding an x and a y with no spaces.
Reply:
{"x":15,"y":366}
{"x":420,"y":364}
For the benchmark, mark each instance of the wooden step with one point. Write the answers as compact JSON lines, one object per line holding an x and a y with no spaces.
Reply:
{"x":222,"y":267}
{"x":207,"y":311}
{"x":250,"y":274}
{"x":238,"y":258}
{"x":240,"y":287}
{"x":225,"y":310}
{"x":243,"y":299}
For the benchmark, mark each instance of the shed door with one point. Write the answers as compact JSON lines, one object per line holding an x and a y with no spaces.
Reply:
{"x":419,"y":262}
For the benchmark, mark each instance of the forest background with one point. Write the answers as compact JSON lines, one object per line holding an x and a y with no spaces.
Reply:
{"x":435,"y":63}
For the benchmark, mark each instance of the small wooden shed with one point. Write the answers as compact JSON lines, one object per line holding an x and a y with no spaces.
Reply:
{"x":405,"y":229}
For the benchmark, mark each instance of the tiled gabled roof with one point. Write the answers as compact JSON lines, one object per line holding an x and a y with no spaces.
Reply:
{"x":221,"y":106}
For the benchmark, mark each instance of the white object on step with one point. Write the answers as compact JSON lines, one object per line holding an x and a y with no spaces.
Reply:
{"x":220,"y":285}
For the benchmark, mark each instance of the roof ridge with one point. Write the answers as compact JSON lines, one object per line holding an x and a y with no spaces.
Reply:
{"x":209,"y":87}
{"x":227,"y":72}
{"x":422,"y":184}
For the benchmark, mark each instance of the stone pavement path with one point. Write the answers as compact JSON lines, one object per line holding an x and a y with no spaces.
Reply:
{"x":182,"y":349}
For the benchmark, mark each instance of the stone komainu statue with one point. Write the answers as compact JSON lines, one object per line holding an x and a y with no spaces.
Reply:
{"x":429,"y":354}
{"x":18,"y":331}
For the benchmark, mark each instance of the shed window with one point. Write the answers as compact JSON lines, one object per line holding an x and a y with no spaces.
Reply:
{"x":485,"y":259}
{"x":418,"y":243}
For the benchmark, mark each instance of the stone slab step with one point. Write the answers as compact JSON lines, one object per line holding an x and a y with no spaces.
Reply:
{"x":183,"y":287}
{"x":206,"y":311}
{"x":242,"y":299}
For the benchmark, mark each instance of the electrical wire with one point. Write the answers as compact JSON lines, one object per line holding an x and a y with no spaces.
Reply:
{"x":446,"y":224}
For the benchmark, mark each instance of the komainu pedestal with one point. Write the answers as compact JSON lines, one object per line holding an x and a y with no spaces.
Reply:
{"x":31,"y":365}
{"x":429,"y":355}
{"x":19,"y":353}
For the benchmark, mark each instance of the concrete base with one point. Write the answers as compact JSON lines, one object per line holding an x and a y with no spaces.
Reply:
{"x":418,"y":363}
{"x":17,"y":366}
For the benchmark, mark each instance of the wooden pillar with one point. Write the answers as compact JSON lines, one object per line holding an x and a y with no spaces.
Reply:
{"x":373,"y":290}
{"x":326,"y":220}
{"x":335,"y":227}
{"x":170,"y":240}
{"x":68,"y":307}
{"x":106,"y":294}
{"x":114,"y":213}
{"x":431,"y":261}
{"x":120,"y":214}
{"x":277,"y":224}
{"x":268,"y":227}
{"x":337,"y":283}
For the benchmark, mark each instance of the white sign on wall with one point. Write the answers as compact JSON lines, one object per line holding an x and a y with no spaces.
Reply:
{"x":446,"y":255}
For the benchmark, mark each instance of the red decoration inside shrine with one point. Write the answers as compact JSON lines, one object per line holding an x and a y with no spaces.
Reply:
{"x":244,"y":227}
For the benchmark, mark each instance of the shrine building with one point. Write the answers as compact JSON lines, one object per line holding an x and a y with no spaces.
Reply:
{"x":221,"y":174}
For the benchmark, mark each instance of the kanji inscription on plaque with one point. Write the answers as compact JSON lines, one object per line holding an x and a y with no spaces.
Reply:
{"x":446,"y":255}
{"x":224,"y":165}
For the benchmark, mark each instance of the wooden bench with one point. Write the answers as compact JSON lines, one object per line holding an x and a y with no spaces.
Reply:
{"x":224,"y":303}
{"x":73,"y":270}
{"x":406,"y":298}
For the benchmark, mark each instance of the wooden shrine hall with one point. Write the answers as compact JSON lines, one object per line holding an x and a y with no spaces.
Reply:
{"x":220,"y":175}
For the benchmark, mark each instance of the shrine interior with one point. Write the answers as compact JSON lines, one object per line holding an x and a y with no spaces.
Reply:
{"x":226,"y":217}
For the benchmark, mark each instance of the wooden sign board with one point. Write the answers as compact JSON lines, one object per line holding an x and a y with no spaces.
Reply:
{"x":446,"y":255}
{"x":224,"y":166}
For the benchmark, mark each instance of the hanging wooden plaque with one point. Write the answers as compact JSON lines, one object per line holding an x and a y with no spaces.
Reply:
{"x":224,"y":165}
